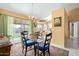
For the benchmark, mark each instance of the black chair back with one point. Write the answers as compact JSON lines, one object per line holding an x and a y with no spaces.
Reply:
{"x":48,"y":39}
{"x":24,"y":36}
{"x":24,"y":33}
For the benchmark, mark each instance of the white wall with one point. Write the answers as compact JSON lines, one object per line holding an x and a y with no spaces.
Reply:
{"x":76,"y":29}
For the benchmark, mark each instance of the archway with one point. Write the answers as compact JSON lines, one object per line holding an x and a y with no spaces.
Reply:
{"x":73,"y":41}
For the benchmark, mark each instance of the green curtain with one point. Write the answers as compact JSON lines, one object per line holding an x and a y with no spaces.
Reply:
{"x":10,"y":25}
{"x":3,"y":24}
{"x":30,"y":27}
{"x":6,"y":25}
{"x":30,"y":31}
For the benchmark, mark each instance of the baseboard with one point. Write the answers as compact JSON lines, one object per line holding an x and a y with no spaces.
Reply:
{"x":60,"y":47}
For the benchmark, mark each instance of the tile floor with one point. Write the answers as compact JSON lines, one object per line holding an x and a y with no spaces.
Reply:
{"x":73,"y":46}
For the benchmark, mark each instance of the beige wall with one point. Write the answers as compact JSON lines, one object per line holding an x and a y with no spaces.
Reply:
{"x":74,"y":15}
{"x":60,"y":33}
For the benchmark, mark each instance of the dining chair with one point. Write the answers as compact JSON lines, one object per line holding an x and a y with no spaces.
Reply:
{"x":43,"y":47}
{"x":26,"y":42}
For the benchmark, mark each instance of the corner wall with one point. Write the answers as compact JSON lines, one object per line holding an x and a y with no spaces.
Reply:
{"x":60,"y":34}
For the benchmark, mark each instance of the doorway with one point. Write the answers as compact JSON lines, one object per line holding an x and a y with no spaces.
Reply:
{"x":73,"y":42}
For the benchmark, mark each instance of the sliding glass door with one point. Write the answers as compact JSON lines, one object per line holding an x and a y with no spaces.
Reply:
{"x":17,"y":29}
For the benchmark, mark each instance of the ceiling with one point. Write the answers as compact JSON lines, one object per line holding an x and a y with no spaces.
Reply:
{"x":40,"y":10}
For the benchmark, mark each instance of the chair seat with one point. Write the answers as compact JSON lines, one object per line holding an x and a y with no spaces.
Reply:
{"x":29,"y":42}
{"x":41,"y":46}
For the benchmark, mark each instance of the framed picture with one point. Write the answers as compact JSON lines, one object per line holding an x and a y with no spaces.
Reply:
{"x":57,"y":22}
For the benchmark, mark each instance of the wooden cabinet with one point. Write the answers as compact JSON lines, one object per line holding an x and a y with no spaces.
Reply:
{"x":5,"y":49}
